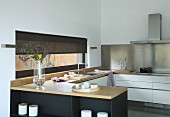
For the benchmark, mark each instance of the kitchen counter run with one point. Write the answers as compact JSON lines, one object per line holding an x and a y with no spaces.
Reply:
{"x":51,"y":87}
{"x":65,"y":88}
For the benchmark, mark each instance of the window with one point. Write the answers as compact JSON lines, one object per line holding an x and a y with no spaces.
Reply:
{"x":65,"y":52}
{"x":51,"y":60}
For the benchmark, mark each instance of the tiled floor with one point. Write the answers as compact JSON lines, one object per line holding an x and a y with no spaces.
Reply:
{"x":138,"y":111}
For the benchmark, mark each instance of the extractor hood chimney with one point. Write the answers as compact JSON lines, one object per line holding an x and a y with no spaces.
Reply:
{"x":154,"y":27}
{"x":154,"y":31}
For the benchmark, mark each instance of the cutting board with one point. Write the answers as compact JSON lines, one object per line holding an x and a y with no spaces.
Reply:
{"x":121,"y":71}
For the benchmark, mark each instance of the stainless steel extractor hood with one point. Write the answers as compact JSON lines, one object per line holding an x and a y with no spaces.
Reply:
{"x":154,"y":31}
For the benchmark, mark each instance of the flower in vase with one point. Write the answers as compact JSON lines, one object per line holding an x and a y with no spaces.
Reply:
{"x":37,"y":53}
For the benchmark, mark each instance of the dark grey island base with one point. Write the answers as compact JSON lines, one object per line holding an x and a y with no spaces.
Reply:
{"x":69,"y":106}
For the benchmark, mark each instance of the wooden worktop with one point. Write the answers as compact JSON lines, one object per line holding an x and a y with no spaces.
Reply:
{"x":105,"y":92}
{"x":51,"y":87}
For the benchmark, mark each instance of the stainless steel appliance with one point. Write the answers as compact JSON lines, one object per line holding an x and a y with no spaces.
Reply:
{"x":154,"y":31}
{"x":145,"y":70}
{"x":153,"y":52}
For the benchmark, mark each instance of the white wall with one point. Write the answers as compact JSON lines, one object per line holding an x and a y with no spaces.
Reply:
{"x":61,"y":17}
{"x":123,"y":21}
{"x":7,"y":73}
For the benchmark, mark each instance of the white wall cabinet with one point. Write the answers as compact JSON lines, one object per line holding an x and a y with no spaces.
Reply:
{"x":145,"y":88}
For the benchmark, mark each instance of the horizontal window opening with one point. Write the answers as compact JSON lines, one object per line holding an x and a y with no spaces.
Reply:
{"x":51,"y":60}
{"x":52,"y":63}
{"x":64,"y":52}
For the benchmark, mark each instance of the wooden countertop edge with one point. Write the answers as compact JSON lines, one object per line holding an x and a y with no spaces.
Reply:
{"x":28,"y":80}
{"x":17,"y":85}
{"x":70,"y":93}
{"x":90,"y":78}
{"x":99,"y":96}
{"x":122,"y":71}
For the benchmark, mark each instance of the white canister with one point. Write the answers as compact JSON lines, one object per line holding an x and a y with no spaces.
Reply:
{"x":93,"y":86}
{"x":82,"y":86}
{"x":22,"y":108}
{"x":33,"y":110}
{"x":87,"y":85}
{"x":102,"y":114}
{"x":71,"y":74}
{"x":77,"y":86}
{"x":86,"y":113}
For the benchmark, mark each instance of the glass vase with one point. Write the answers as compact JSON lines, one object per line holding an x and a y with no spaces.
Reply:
{"x":39,"y":75}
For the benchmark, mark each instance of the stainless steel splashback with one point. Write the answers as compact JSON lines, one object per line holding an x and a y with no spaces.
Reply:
{"x":162,"y":57}
{"x":156,"y":56}
{"x":111,"y":55}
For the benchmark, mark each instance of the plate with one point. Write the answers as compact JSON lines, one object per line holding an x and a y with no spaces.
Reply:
{"x":85,"y":90}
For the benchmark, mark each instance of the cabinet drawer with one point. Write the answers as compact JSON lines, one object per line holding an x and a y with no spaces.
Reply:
{"x":144,"y":95}
{"x":161,"y":86}
{"x":161,"y":97}
{"x":143,"y":78}
{"x":134,"y":84}
{"x":161,"y":79}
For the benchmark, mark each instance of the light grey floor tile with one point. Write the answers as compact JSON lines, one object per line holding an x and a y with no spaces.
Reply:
{"x":134,"y":111}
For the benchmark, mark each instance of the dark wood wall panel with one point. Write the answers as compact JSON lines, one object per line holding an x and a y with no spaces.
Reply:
{"x":56,"y":43}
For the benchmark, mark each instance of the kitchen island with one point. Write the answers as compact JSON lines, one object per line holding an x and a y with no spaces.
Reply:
{"x":58,"y":99}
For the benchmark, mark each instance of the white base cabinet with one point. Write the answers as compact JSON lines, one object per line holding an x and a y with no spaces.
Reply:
{"x":162,"y":97}
{"x":161,"y":92}
{"x":134,"y":84}
{"x":161,"y":86}
{"x":154,"y":89}
{"x":139,"y":87}
{"x":145,"y":88}
{"x":143,"y":95}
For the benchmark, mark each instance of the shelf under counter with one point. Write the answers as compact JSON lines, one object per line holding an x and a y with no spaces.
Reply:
{"x":70,"y":106}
